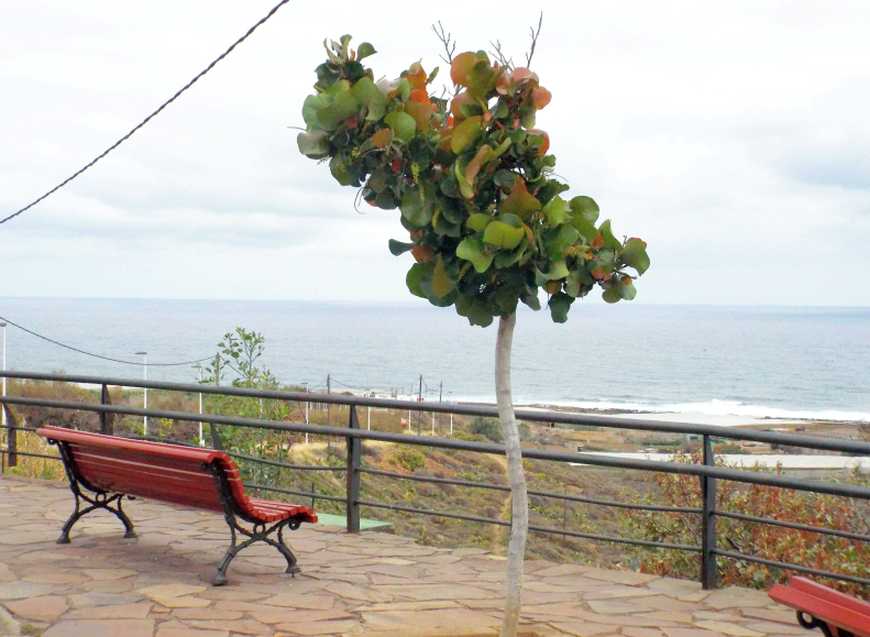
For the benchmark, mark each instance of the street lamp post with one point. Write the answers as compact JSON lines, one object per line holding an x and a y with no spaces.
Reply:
{"x":144,"y":356}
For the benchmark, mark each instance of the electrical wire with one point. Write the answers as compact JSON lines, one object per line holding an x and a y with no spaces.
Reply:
{"x":100,"y":356}
{"x":149,"y":117}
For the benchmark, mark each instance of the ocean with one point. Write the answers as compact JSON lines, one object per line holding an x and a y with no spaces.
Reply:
{"x":752,"y":362}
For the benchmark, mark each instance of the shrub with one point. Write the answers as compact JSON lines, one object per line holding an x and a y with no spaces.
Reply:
{"x":409,"y":459}
{"x":841,"y":555}
{"x":487,"y":427}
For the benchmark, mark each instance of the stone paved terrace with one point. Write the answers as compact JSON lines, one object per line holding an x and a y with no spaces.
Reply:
{"x":369,"y":584}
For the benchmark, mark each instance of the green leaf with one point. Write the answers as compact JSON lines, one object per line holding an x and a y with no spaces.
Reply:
{"x":415,"y":276}
{"x":610,"y":241}
{"x":416,"y":207}
{"x":471,"y":249}
{"x":626,"y":289}
{"x":585,"y":207}
{"x":466,"y":188}
{"x":634,"y":255}
{"x":340,"y":171}
{"x":404,"y":89}
{"x":369,"y":95}
{"x":314,"y":144}
{"x":503,"y":235}
{"x":556,"y":211}
{"x":312,"y":104}
{"x":558,"y":270}
{"x":342,"y":106}
{"x":504,"y":178}
{"x":531,"y":299}
{"x":465,"y":134}
{"x":365,"y":49}
{"x":402,"y":124}
{"x":557,"y":241}
{"x":611,"y":295}
{"x":478,"y":221}
{"x":585,"y":227}
{"x":399,"y":247}
{"x":559,"y":305}
{"x":442,"y":284}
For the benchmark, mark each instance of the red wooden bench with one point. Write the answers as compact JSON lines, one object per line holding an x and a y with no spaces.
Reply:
{"x":835,"y":613}
{"x":112,"y":468}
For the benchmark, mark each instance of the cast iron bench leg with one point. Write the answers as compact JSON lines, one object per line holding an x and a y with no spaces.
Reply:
{"x":101,"y":500}
{"x":258,"y":533}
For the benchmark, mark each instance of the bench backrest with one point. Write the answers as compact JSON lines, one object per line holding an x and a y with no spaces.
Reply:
{"x":834,"y":607}
{"x":172,"y":473}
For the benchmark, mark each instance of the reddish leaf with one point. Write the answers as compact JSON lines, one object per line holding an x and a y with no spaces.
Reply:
{"x":461,"y":67}
{"x":541,"y":97}
{"x":519,"y":202}
{"x":382,"y":138}
{"x":545,"y":145}
{"x":416,"y":76}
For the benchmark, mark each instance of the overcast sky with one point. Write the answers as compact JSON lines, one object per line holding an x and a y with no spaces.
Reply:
{"x":734,"y":137}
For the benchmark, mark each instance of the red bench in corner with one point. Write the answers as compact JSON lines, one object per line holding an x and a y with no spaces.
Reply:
{"x":111,"y":468}
{"x":835,"y":613}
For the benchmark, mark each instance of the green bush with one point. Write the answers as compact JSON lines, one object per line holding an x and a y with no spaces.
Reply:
{"x":409,"y":459}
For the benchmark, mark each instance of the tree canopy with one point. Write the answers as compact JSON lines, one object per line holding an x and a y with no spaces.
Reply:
{"x":471,"y":175}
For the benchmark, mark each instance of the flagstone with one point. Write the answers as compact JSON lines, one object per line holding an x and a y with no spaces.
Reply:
{"x":108,"y":573}
{"x":729,"y":628}
{"x":206,"y":613}
{"x":139,"y":610}
{"x":20,"y":590}
{"x":102,"y":628}
{"x":781,"y":615}
{"x":293,"y":600}
{"x":585,"y":629}
{"x":175,"y":629}
{"x":46,"y":608}
{"x":330,"y":627}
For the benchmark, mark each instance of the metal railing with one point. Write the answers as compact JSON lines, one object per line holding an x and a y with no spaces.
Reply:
{"x":707,"y":471}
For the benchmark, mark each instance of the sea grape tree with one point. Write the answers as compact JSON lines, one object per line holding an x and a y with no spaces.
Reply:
{"x":487,"y":223}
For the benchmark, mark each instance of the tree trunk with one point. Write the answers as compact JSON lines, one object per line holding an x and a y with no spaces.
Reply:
{"x":516,"y":476}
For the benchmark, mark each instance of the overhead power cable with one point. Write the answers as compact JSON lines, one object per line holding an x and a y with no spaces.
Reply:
{"x":130,"y":133}
{"x":100,"y":356}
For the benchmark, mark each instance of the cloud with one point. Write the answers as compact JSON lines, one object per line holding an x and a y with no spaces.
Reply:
{"x":732,"y":137}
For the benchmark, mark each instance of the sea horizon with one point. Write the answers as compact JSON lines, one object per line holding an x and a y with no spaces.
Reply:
{"x":721,"y":361}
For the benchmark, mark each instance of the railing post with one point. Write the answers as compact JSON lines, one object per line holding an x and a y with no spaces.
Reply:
{"x":354,"y":453}
{"x":107,"y":420}
{"x":709,"y":573}
{"x":215,"y":437}
{"x":11,"y":437}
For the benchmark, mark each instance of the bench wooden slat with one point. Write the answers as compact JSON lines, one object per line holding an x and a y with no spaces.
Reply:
{"x":150,"y":484}
{"x":168,"y":472}
{"x":825,"y":604}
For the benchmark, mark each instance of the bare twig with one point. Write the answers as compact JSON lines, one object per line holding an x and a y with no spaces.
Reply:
{"x":534,"y":33}
{"x":447,"y":40}
{"x":499,"y":55}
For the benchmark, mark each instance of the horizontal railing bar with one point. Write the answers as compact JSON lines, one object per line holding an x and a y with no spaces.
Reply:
{"x":454,"y":516}
{"x":612,"y":503}
{"x":538,"y":529}
{"x":792,"y":525}
{"x":792,"y":567}
{"x":18,"y":428}
{"x":543,"y":494}
{"x":618,"y":540}
{"x":531,"y":415}
{"x":303,"y":494}
{"x":846,"y":490}
{"x":285,"y":465}
{"x":437,"y":480}
{"x":27,"y":453}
